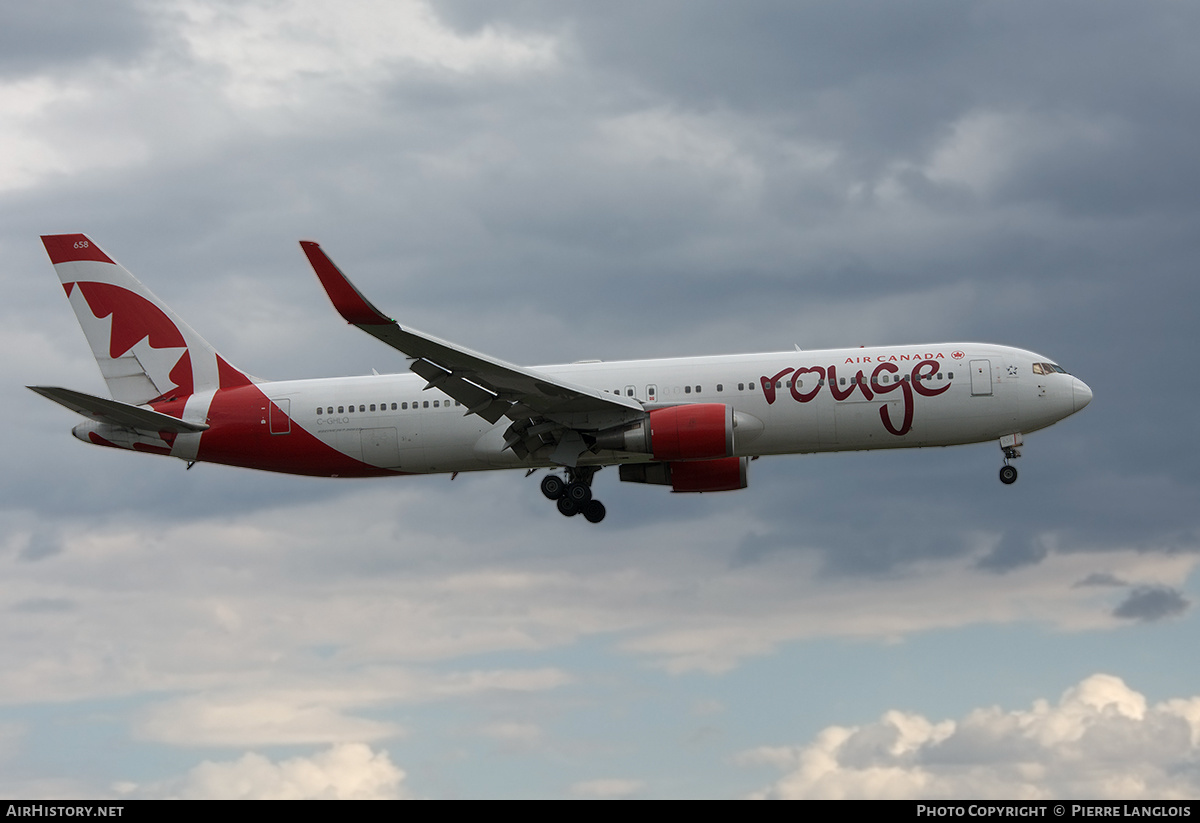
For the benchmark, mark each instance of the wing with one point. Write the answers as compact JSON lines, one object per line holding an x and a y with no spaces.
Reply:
{"x":116,"y":412}
{"x":546,"y":412}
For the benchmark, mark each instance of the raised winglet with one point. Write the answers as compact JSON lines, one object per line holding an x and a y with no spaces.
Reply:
{"x":349,"y":302}
{"x":487,"y":386}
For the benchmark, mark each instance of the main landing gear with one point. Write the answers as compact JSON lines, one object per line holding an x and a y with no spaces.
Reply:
{"x":574,"y":494}
{"x":1008,"y":444}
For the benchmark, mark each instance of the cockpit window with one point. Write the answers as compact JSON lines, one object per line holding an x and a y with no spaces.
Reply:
{"x":1048,"y":368}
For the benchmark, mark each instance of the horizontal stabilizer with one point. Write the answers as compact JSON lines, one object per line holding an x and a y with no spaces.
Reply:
{"x":115,"y":412}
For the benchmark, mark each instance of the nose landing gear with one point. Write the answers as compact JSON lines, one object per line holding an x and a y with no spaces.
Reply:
{"x":1008,"y":444}
{"x":574,"y":495}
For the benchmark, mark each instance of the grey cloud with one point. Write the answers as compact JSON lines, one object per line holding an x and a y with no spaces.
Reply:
{"x":1016,"y":548}
{"x":48,"y":35}
{"x":1100,"y":579}
{"x":45,"y":605}
{"x":536,"y":228}
{"x":1150,"y":603}
{"x":39,"y":546}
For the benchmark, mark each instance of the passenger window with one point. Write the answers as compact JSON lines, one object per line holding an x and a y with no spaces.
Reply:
{"x":350,"y":409}
{"x":741,"y":386}
{"x":404,"y":406}
{"x":720,"y":387}
{"x":425,"y":404}
{"x":697,"y":390}
{"x":372,"y":407}
{"x":842,"y":380}
{"x":341,"y":410}
{"x":949,"y":375}
{"x":435,"y":404}
{"x":687,"y":389}
{"x":319,"y":409}
{"x":393,"y":407}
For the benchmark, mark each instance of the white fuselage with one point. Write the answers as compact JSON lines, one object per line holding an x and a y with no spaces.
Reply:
{"x":966,"y":393}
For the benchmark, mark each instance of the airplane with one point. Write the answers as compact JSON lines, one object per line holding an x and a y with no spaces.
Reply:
{"x":690,"y":423}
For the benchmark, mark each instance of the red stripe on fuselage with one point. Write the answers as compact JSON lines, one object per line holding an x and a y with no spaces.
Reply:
{"x":228,"y":377}
{"x":239,"y":436}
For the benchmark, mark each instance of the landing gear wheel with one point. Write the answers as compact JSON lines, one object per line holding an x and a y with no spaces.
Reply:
{"x":553,"y":486}
{"x":1008,"y":475}
{"x":594,"y":511}
{"x":579,"y":492}
{"x":567,"y":507}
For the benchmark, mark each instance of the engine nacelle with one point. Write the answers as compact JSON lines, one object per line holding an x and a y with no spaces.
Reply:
{"x":724,"y":475}
{"x":694,"y":431}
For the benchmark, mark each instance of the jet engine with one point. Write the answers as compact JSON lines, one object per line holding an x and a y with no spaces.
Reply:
{"x":723,"y":475}
{"x":695,"y":431}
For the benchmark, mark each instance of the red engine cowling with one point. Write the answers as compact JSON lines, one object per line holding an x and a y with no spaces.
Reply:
{"x":699,"y":431}
{"x":724,"y":475}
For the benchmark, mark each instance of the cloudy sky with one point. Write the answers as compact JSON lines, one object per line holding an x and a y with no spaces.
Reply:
{"x":550,"y":182}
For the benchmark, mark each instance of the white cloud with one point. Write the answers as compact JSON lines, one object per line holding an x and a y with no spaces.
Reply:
{"x":264,"y":718}
{"x":405,"y":592}
{"x":319,"y":707}
{"x":242,"y":64}
{"x":1100,"y":740}
{"x":984,"y":147}
{"x":348,"y":771}
{"x":269,"y":54}
{"x":41,"y":134}
{"x":607,"y":788}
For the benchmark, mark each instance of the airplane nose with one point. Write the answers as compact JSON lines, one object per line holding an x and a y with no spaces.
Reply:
{"x":1083,"y":395}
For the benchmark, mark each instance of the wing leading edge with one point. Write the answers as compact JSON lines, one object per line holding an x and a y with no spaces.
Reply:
{"x":545,"y":410}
